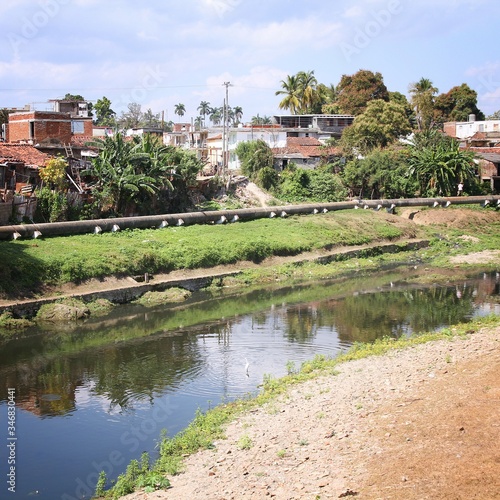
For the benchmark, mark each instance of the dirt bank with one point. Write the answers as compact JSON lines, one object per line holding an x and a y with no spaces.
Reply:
{"x":421,"y":423}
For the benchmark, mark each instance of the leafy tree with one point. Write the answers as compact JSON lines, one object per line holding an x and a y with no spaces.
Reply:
{"x":327,"y":100}
{"x":422,"y":99}
{"x":494,"y":116}
{"x":441,"y":165}
{"x":383,"y":173}
{"x":254,"y":156}
{"x":267,"y":178}
{"x":402,"y":100}
{"x":150,"y":119}
{"x":180,"y":110}
{"x":354,"y":92}
{"x":380,"y":125}
{"x":457,"y":104}
{"x":105,"y":116}
{"x":321,"y":185}
{"x":133,"y":117}
{"x":54,"y":173}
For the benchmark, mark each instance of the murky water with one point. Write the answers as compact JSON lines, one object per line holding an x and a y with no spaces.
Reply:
{"x":94,"y":397}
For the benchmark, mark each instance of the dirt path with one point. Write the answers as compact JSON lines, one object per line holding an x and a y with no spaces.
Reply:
{"x":422,"y":423}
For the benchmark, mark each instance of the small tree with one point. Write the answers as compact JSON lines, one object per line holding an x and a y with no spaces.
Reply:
{"x":441,"y":166}
{"x":54,"y":173}
{"x":380,"y":125}
{"x":254,"y":156}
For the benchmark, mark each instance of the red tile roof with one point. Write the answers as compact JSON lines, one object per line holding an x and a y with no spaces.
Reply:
{"x":307,"y":147}
{"x":22,"y":153}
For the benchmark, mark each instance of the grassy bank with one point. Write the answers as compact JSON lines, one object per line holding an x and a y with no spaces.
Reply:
{"x":209,"y":427}
{"x":29,"y":264}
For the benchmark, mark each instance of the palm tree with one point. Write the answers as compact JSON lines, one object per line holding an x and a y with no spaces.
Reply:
{"x":198,"y":122}
{"x":291,"y":91}
{"x":439,"y":164}
{"x":238,"y":113}
{"x":307,"y":90}
{"x":230,"y":115}
{"x":204,"y":109}
{"x":119,"y":172}
{"x":422,"y":100}
{"x":180,"y":109}
{"x":216,"y":115}
{"x":261,"y":120}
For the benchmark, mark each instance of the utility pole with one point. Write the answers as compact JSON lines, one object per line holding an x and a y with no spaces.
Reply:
{"x":225,"y":137}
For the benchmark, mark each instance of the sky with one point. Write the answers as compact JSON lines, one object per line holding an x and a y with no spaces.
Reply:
{"x":159,"y":53}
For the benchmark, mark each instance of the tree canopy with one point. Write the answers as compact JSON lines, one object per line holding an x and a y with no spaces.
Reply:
{"x":354,"y":92}
{"x":457,"y":104}
{"x":380,"y":125}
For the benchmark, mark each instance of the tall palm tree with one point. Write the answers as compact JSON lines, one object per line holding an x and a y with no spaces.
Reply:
{"x":261,"y":120}
{"x":216,"y":115}
{"x":204,"y":109}
{"x":180,"y":109}
{"x":307,"y":90}
{"x":291,"y":91}
{"x":423,"y":93}
{"x":238,"y":113}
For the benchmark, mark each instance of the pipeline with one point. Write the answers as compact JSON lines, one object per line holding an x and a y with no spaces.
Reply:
{"x":227,"y":216}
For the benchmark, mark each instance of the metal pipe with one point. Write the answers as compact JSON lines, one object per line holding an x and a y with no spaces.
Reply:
{"x":214,"y":216}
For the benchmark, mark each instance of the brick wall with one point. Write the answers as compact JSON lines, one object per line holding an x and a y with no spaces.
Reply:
{"x":450,"y":128}
{"x":40,"y":126}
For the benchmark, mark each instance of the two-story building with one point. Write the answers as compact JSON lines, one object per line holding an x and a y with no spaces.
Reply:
{"x":52,"y":131}
{"x":475,"y":133}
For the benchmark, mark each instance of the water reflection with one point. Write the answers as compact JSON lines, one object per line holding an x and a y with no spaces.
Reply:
{"x":105,"y":376}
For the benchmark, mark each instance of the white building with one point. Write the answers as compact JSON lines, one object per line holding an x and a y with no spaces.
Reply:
{"x":485,"y":131}
{"x":273,"y":135}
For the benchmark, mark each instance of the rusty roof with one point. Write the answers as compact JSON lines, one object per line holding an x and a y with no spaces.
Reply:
{"x":22,"y":153}
{"x":305,"y":147}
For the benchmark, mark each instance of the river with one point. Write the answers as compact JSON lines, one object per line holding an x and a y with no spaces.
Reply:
{"x":94,"y":396}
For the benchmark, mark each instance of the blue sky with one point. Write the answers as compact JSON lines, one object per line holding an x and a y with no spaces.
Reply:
{"x":159,"y":52}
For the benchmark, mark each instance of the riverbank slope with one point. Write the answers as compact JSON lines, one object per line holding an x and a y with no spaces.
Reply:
{"x":416,"y":423}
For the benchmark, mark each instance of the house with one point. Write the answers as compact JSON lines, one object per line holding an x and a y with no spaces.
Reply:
{"x":19,"y":173}
{"x":273,"y":135}
{"x":321,"y":127}
{"x":305,"y":152}
{"x":489,"y":166}
{"x":475,"y":133}
{"x":51,"y":131}
{"x":140,"y":131}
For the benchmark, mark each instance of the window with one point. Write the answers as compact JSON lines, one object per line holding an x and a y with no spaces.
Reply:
{"x":77,"y":127}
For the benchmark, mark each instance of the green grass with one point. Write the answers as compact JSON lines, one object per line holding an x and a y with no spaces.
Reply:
{"x":29,"y":263}
{"x":208,"y":427}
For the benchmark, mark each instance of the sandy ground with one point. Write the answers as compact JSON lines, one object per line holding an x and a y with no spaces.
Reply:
{"x":419,"y":423}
